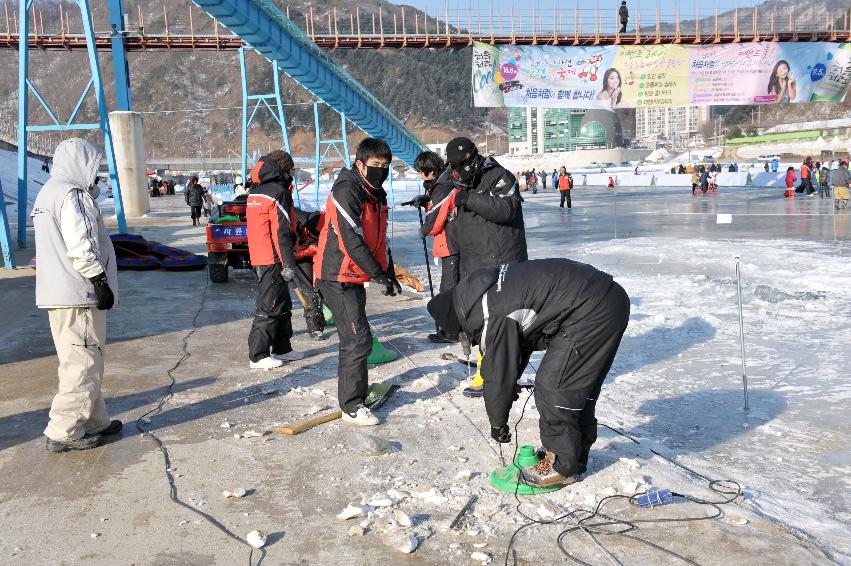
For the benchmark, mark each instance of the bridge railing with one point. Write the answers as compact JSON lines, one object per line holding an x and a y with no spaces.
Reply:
{"x":170,"y":23}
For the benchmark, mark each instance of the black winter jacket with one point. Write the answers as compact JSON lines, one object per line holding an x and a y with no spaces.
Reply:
{"x":513,"y":310}
{"x":194,"y":195}
{"x":489,"y":230}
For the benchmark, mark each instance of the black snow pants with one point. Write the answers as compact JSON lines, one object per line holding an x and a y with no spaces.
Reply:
{"x":314,"y":318}
{"x":195,"y":212}
{"x":572,"y":372}
{"x":272,"y":327}
{"x":565,"y":197}
{"x":347,"y":302}
{"x":450,"y":272}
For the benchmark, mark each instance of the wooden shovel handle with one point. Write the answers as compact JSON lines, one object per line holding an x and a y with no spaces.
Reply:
{"x":299,"y":427}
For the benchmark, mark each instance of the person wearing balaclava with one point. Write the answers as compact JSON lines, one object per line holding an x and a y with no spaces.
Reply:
{"x":353,"y":251}
{"x":572,"y":311}
{"x":489,"y":228}
{"x":76,"y":282}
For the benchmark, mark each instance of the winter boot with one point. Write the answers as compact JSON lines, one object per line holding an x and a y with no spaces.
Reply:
{"x":441,"y":337}
{"x":543,"y":474}
{"x":361,"y":417}
{"x":291,"y":356}
{"x":476,"y":387}
{"x":114,"y":427}
{"x":474,"y":392}
{"x":86,"y":442}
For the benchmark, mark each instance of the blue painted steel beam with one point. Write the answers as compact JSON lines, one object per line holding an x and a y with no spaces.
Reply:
{"x":277,"y":113}
{"x":273,"y":35}
{"x":23,"y":112}
{"x":103,"y":114}
{"x":25,"y":86}
{"x":5,"y":234}
{"x":123,"y":97}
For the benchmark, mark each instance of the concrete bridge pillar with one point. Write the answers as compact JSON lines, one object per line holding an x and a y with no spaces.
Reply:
{"x":129,"y":142}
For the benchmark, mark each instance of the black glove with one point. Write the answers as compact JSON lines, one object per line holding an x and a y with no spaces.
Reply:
{"x":461,"y":198}
{"x":391,"y":273}
{"x":419,"y":200}
{"x":391,"y":286}
{"x":103,"y":294}
{"x":501,"y":434}
{"x":287,"y":273}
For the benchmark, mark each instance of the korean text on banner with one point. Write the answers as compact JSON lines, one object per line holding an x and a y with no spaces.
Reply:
{"x":658,"y":76}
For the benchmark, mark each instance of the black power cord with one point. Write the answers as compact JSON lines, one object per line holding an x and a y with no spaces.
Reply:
{"x":166,"y":458}
{"x":728,"y":489}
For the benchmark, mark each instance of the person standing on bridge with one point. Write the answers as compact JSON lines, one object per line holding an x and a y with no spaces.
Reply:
{"x":623,"y":13}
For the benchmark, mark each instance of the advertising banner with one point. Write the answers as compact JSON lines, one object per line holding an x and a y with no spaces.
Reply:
{"x":657,"y":76}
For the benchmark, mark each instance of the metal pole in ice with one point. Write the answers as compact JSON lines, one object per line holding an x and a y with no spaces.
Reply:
{"x":742,"y":330}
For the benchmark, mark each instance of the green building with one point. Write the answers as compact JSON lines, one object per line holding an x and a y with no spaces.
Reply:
{"x":548,"y":130}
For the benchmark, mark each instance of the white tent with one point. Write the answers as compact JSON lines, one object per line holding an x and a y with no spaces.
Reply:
{"x":837,"y":144}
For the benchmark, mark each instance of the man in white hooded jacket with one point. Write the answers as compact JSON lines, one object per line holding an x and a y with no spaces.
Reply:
{"x":77,"y":282}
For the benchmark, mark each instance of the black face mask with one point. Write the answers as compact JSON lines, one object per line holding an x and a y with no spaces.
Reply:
{"x":428,"y":185}
{"x":286,"y":180}
{"x":376,"y":176}
{"x":466,"y":170}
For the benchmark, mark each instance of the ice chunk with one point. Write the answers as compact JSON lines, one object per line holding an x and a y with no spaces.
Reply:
{"x":257,"y":539}
{"x":371,"y":445}
{"x":403,"y":519}
{"x":482,"y":557}
{"x":316,"y":408}
{"x":238,"y":492}
{"x":407,"y":543}
{"x":381,"y":501}
{"x":352,"y":511}
{"x":463,"y":476}
{"x":608,"y":492}
{"x":429,"y":494}
{"x":547,"y":511}
{"x":399,"y":494}
{"x":356,"y":531}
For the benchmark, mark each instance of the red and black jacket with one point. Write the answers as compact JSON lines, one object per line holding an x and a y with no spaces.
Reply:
{"x":352,"y":244}
{"x":442,"y":212}
{"x":308,"y":227}
{"x":270,"y":217}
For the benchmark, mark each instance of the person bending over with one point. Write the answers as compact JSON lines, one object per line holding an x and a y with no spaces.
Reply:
{"x":574,"y":312}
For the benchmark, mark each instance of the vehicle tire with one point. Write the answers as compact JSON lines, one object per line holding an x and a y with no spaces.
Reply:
{"x":218,"y":272}
{"x":217,"y":267}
